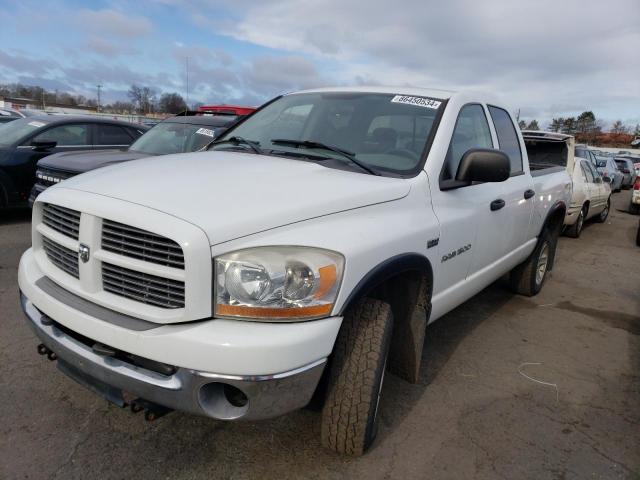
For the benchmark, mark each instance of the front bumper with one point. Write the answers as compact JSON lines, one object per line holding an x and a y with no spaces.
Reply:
{"x":35,"y":191}
{"x":187,"y":390}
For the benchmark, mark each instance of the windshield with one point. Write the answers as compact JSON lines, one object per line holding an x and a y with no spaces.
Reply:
{"x":11,"y":132}
{"x":384,"y":132}
{"x":168,"y":137}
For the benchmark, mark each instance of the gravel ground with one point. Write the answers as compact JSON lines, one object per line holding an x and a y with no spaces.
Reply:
{"x":474,"y":413}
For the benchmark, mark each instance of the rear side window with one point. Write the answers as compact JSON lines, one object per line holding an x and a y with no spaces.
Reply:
{"x":587,"y":172}
{"x":112,"y":135}
{"x":507,"y":138}
{"x":471,"y":131}
{"x":66,"y":135}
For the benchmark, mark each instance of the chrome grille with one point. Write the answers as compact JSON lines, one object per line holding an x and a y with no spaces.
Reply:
{"x":63,"y":220}
{"x":61,"y":257}
{"x":142,"y":287}
{"x":48,"y":176}
{"x":137,"y":243}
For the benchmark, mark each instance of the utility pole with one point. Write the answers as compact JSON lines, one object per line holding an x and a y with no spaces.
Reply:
{"x":99,"y":87}
{"x":43,"y":105}
{"x":187,"y":68}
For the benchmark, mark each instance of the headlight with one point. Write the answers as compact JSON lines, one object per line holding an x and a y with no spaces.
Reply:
{"x":277,"y":283}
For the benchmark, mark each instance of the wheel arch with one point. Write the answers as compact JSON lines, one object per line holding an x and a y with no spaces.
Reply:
{"x":404,"y":281}
{"x":553,"y":223}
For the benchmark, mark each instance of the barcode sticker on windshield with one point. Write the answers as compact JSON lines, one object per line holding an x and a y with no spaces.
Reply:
{"x":37,"y":124}
{"x":206,"y":131}
{"x":417,"y":101}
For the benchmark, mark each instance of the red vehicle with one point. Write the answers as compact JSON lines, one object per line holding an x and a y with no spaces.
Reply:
{"x":230,"y":109}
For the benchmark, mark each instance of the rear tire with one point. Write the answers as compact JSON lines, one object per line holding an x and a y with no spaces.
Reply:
{"x":575,"y":230}
{"x":528,"y":277}
{"x":604,"y":214}
{"x":349,"y":416}
{"x":634,"y":208}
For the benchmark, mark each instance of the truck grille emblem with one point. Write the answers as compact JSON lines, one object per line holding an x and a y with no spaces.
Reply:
{"x":84,"y":253}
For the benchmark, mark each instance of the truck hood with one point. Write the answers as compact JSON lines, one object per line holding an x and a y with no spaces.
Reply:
{"x":86,"y":160}
{"x":231,"y":195}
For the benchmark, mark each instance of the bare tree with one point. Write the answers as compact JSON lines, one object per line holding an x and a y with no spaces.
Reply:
{"x":618,"y":128}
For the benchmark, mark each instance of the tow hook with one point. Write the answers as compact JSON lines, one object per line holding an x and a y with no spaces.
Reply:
{"x":44,"y":350}
{"x":152,"y":411}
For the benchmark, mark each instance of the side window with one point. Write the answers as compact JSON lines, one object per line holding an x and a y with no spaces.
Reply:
{"x":587,"y":171}
{"x":111,"y":135}
{"x":471,"y":131}
{"x":65,"y":135}
{"x":593,"y":171}
{"x":507,"y":137}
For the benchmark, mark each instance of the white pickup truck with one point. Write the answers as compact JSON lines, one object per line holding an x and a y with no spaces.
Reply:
{"x":305,"y":251}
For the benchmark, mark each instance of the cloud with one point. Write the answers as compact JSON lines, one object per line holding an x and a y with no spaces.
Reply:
{"x":113,"y":23}
{"x":108,"y":49}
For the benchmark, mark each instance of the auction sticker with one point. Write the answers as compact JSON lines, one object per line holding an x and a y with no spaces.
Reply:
{"x":206,"y":131}
{"x":416,"y":101}
{"x":37,"y":124}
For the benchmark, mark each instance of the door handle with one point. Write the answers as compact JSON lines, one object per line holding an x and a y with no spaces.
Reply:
{"x":528,"y":194}
{"x":497,"y":204}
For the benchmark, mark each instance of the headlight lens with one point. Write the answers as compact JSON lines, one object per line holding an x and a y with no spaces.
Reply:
{"x":277,"y":283}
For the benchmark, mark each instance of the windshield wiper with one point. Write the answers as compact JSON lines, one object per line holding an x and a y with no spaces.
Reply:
{"x":237,"y":141}
{"x":311,"y":144}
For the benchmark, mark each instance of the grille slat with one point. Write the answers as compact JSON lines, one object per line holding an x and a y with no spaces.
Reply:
{"x":142,"y":287}
{"x":140,"y":244}
{"x":62,"y":257}
{"x":62,"y":220}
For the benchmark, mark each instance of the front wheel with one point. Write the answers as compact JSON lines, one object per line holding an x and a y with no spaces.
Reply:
{"x":350,"y":413}
{"x":605,"y":213}
{"x":575,"y":230}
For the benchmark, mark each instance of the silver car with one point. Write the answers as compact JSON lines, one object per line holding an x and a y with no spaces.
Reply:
{"x":608,"y":168}
{"x":625,"y":165}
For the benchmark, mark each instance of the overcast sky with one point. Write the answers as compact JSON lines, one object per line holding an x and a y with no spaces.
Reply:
{"x":546,"y":58}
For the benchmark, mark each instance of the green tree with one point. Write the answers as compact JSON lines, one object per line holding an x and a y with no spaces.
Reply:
{"x":569,"y":126}
{"x":556,"y":124}
{"x":533,"y":125}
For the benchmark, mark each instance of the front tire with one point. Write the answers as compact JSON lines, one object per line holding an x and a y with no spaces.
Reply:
{"x":350,"y":413}
{"x":575,"y":230}
{"x":605,"y":213}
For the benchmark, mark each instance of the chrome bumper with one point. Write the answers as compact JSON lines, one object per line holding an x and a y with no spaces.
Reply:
{"x":196,"y":392}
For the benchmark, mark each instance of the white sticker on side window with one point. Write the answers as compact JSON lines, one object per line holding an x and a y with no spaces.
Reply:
{"x":37,"y":124}
{"x":205,"y":131}
{"x":417,"y":101}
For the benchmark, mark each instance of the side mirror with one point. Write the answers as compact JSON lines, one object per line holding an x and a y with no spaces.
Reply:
{"x":606,"y":179}
{"x":43,"y":146}
{"x":597,"y":180}
{"x":484,"y":165}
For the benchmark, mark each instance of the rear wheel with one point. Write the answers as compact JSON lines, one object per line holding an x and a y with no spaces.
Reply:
{"x":350,"y":413}
{"x":605,"y":213}
{"x":528,"y":277}
{"x":575,"y":230}
{"x":634,"y":208}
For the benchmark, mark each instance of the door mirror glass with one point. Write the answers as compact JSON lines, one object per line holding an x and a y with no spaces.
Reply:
{"x":484,"y":165}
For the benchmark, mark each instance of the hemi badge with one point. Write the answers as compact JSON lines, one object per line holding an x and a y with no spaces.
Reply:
{"x":433,"y":242}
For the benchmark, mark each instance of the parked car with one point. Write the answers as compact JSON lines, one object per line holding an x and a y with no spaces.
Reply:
{"x":25,"y":141}
{"x":634,"y":206}
{"x":626,"y":167}
{"x":323,"y":232}
{"x":608,"y":168}
{"x":183,"y":133}
{"x":585,"y":152}
{"x":590,"y":194}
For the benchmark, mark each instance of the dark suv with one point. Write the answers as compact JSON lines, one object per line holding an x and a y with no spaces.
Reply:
{"x":25,"y":141}
{"x":187,"y":132}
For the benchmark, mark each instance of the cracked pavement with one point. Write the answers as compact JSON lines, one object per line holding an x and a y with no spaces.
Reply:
{"x":472,"y":414}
